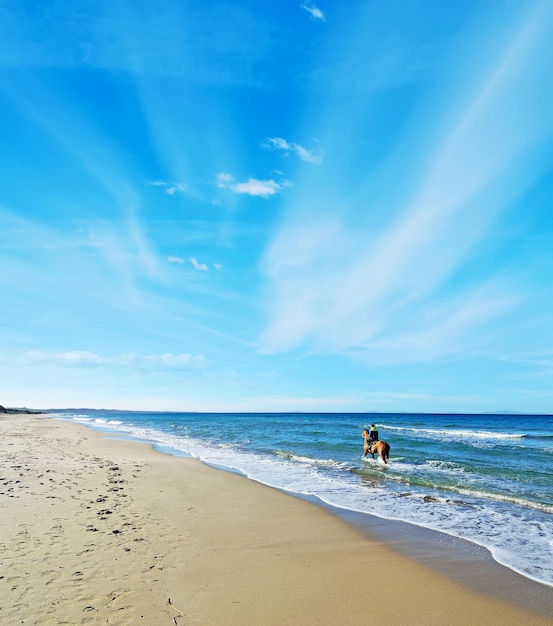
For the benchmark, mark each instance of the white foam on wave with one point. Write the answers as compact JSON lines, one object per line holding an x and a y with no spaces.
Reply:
{"x":376,"y":461}
{"x":462,"y":482}
{"x":465,"y":435}
{"x":446,"y":466}
{"x":408,"y":469}
{"x":509,"y":499}
{"x":485,"y":523}
{"x":307,"y":460}
{"x":227,"y":445}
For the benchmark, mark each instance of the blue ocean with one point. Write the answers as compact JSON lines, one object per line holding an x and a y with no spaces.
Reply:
{"x":484,"y":478}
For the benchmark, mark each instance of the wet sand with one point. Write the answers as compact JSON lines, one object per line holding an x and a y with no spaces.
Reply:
{"x":95,"y":530}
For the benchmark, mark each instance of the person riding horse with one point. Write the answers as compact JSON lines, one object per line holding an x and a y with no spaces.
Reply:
{"x":372,"y":445}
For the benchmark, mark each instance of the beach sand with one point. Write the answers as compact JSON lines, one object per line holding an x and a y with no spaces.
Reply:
{"x":100,"y":531}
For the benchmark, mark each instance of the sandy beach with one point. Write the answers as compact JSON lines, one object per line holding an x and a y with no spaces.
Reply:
{"x":96,"y":530}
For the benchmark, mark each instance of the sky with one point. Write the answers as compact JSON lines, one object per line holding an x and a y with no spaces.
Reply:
{"x":277,"y":206}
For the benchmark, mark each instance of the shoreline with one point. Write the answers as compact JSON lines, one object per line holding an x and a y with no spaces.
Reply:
{"x":113,"y":530}
{"x":460,"y":560}
{"x":454,"y":556}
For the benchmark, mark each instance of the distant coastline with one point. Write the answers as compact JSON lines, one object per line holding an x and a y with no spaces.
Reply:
{"x":376,"y":414}
{"x":372,"y":413}
{"x":18,"y":411}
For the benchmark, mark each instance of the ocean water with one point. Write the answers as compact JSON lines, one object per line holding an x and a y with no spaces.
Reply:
{"x":485,"y":478}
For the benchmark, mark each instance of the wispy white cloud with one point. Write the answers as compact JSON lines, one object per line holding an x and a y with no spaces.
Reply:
{"x":252,"y":187}
{"x":111,"y":257}
{"x":197,"y":265}
{"x":167,"y":360}
{"x":277,"y":143}
{"x":125,"y":248}
{"x":82,"y":358}
{"x":407,"y":291}
{"x":72,"y":357}
{"x":124,"y":242}
{"x":225,"y":180}
{"x":169,"y":187}
{"x":437,"y":329}
{"x":313,"y":10}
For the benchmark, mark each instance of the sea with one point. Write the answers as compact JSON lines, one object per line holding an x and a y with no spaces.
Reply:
{"x":487,"y":479}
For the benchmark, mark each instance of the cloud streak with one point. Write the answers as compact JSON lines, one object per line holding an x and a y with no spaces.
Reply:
{"x":389,"y":294}
{"x":251,"y":187}
{"x":277,"y":143}
{"x":197,"y":265}
{"x":169,"y":187}
{"x":202,"y":267}
{"x":80,"y":358}
{"x":314,"y":12}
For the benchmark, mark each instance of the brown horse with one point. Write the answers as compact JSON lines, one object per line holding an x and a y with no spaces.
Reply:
{"x":382,"y":448}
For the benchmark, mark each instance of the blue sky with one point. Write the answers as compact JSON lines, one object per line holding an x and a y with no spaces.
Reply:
{"x":277,"y":206}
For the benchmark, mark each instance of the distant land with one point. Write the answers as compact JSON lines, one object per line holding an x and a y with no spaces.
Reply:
{"x":24,"y":410}
{"x":19,"y":411}
{"x":104,"y":410}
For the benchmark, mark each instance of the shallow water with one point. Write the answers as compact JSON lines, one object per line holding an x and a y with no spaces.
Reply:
{"x":484,"y":478}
